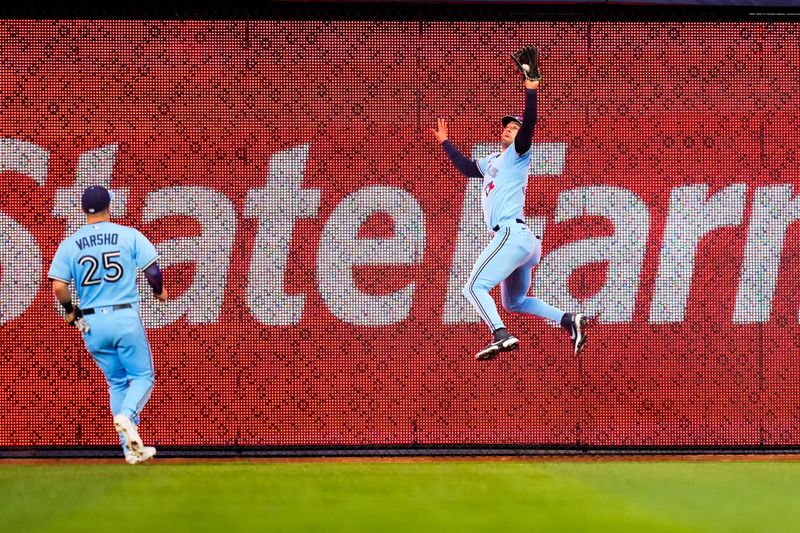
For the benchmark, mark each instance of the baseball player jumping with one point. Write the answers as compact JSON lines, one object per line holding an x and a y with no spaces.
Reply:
{"x":102,"y":259}
{"x":513,"y":250}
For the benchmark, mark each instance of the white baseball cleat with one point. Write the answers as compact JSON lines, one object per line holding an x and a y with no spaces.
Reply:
{"x":133,"y":441}
{"x":148,"y":452}
{"x":577,"y":331}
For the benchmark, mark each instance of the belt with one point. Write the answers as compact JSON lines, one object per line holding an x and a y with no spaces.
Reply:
{"x":497,"y":227}
{"x":519,"y":221}
{"x":116,"y":307}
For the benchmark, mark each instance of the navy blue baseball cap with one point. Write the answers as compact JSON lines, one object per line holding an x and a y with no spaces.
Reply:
{"x":511,"y":118}
{"x":96,"y":199}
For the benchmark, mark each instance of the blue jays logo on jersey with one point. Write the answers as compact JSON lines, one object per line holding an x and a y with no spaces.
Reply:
{"x":491,"y":173}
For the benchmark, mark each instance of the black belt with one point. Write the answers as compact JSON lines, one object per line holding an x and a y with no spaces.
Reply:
{"x":117,"y":307}
{"x":497,"y":227}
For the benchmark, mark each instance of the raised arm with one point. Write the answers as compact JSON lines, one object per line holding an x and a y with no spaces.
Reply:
{"x":463,"y":164}
{"x":522,"y":143}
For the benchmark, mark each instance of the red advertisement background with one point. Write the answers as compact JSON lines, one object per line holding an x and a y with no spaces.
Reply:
{"x":642,"y":106}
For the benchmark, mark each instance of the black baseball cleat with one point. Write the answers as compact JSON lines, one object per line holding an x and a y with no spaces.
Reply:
{"x":503,"y":342}
{"x":576,"y":324}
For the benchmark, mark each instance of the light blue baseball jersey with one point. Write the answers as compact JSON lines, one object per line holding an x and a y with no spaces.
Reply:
{"x":505,"y":178}
{"x":102,"y":259}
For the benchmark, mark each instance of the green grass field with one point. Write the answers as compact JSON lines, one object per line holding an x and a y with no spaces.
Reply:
{"x":374,"y":496}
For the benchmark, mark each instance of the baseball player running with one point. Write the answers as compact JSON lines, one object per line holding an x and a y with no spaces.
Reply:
{"x":102,"y":259}
{"x":513,"y":250}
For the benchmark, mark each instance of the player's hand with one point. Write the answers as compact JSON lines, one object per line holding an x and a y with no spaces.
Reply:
{"x":163,"y":296}
{"x":75,"y":318}
{"x":81,"y":325}
{"x":441,"y":130}
{"x":532,"y":84}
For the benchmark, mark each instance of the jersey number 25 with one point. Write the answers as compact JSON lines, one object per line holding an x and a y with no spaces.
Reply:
{"x":113,"y":268}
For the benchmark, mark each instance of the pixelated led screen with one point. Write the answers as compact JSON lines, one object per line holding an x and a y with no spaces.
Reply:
{"x":315,"y":238}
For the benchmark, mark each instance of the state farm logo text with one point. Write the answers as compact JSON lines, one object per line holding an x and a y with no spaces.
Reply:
{"x":277,"y":207}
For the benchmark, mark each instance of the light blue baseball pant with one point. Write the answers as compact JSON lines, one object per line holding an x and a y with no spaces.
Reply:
{"x":509,"y":259}
{"x":118,"y":343}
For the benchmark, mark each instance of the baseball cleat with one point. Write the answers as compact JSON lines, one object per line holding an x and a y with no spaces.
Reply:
{"x":133,"y":441}
{"x":507,"y":343}
{"x":579,"y":323}
{"x":148,"y":452}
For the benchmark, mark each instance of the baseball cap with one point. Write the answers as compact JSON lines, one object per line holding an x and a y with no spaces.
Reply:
{"x":95,"y":199}
{"x":511,"y":118}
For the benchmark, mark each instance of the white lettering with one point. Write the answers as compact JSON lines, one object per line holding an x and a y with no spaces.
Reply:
{"x":624,"y":252}
{"x":276,"y":208}
{"x":20,"y":256}
{"x":210,"y":252}
{"x":691,"y":217}
{"x":341,"y":250}
{"x":20,"y":266}
{"x":24,"y":158}
{"x":774,"y":208}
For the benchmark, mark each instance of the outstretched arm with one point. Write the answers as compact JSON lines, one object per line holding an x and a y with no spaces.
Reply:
{"x":463,"y":164}
{"x":522,"y":143}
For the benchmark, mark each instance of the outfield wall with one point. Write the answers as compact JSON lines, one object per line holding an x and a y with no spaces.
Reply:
{"x":315,"y":238}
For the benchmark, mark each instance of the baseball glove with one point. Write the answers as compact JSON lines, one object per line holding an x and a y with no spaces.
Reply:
{"x":527,"y":62}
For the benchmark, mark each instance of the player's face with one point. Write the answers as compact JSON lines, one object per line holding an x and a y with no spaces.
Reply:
{"x":509,"y":134}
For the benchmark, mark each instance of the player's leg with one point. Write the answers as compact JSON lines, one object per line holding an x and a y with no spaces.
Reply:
{"x":117,"y":388}
{"x":514,"y":291}
{"x":490,"y":269}
{"x":134,"y":354}
{"x":508,"y":249}
{"x":101,"y":346}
